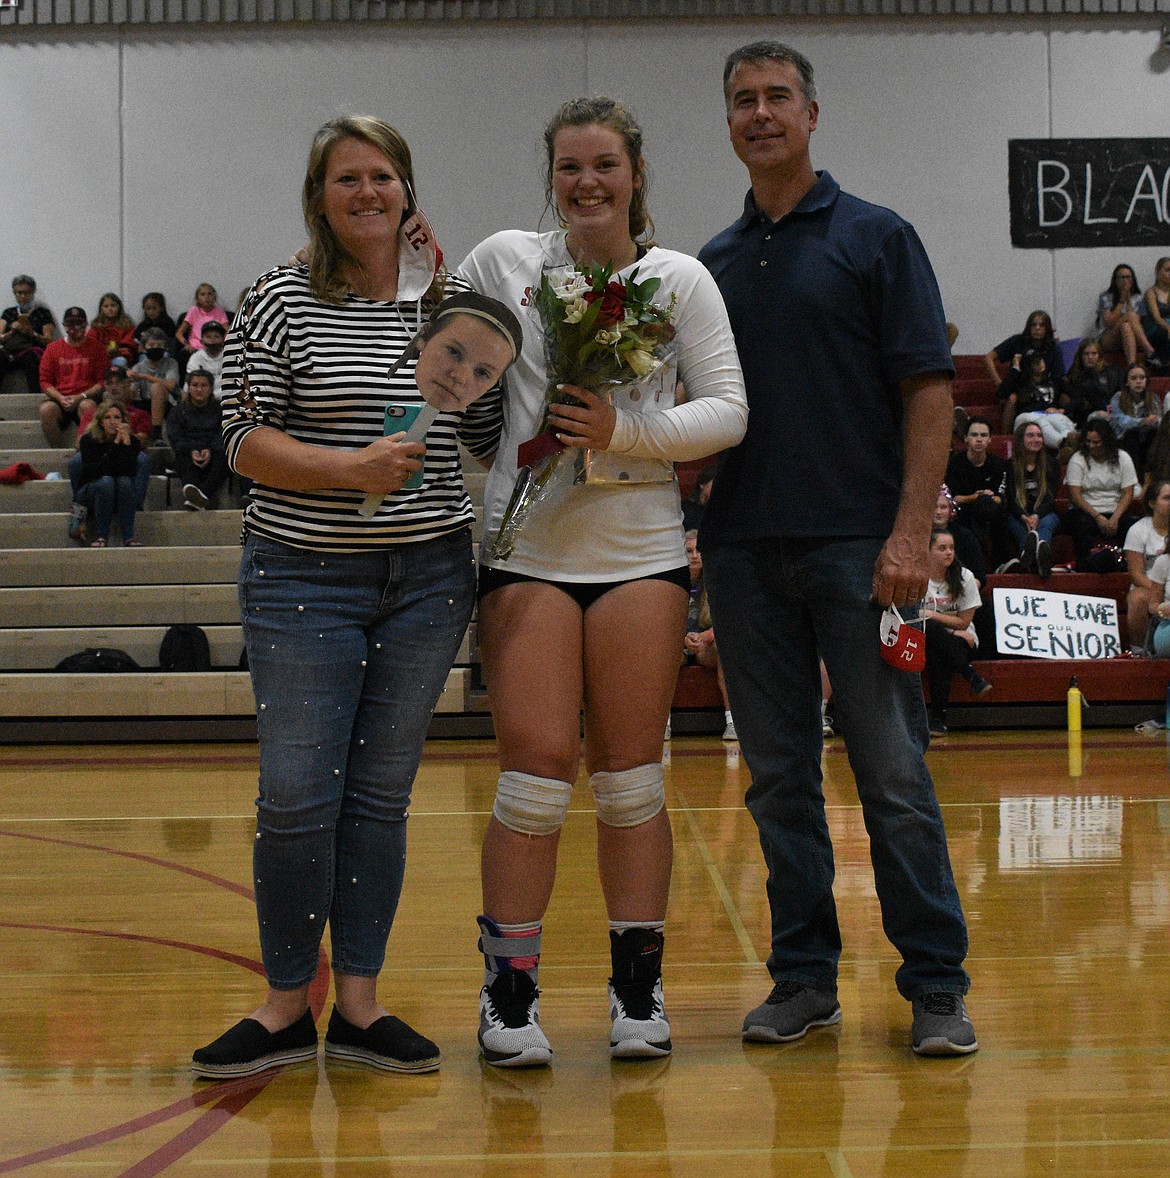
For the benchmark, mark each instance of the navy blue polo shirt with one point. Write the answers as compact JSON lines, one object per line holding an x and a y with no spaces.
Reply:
{"x":832,"y":306}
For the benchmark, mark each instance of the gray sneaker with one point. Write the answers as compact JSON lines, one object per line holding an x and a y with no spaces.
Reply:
{"x":790,"y":1012}
{"x":942,"y":1025}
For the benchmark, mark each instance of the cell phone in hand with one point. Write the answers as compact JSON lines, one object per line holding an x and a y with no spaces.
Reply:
{"x":415,"y":419}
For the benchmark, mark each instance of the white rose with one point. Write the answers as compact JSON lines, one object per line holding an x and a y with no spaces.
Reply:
{"x":575,"y":309}
{"x":641,"y":361}
{"x":609,"y":337}
{"x":568,"y":284}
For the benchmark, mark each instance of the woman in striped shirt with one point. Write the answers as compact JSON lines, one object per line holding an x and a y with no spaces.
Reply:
{"x":351,"y":621}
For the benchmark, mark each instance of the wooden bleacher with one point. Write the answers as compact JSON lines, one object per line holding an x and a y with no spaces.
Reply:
{"x":57,"y":598}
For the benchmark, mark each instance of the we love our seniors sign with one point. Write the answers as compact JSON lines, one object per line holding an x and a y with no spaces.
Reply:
{"x":1041,"y":625}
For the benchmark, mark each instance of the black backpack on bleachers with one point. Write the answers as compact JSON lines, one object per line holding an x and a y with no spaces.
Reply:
{"x":96,"y":659}
{"x":184,"y":648}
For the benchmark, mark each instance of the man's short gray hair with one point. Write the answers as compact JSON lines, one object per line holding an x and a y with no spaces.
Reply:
{"x":759,"y":51}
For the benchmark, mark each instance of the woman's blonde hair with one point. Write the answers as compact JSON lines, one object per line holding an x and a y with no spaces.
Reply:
{"x":103,"y":411}
{"x":326,"y":255}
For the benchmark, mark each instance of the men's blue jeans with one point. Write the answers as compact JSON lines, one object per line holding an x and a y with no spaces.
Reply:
{"x":776,"y":605}
{"x":348,"y":653}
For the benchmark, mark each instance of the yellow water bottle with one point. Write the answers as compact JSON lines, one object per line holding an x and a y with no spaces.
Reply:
{"x":1075,"y":699}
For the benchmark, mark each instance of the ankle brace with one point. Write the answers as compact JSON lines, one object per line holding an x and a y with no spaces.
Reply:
{"x":508,"y":947}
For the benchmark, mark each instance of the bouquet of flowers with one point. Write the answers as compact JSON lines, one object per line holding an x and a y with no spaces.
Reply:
{"x":602,"y":335}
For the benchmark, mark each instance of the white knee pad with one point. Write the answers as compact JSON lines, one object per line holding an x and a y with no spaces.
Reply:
{"x":531,"y":805}
{"x":630,"y":796}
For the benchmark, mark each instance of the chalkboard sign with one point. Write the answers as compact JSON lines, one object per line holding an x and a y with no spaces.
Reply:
{"x":1070,"y":193}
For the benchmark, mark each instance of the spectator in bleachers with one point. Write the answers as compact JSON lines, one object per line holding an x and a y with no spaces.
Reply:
{"x":967,"y":546}
{"x":26,"y":330}
{"x":1156,"y":314}
{"x":109,"y":461}
{"x":117,"y":389}
{"x":976,"y":479}
{"x":1091,"y":382}
{"x":209,"y":358}
{"x":155,"y":315}
{"x":72,"y":369}
{"x":1158,"y":455}
{"x":1160,"y":607}
{"x":1144,"y":543}
{"x":1037,"y":337}
{"x":1033,"y":480}
{"x":155,"y":377}
{"x":696,"y":502}
{"x":113,"y":329}
{"x":1119,"y":315}
{"x":1040,"y":399}
{"x":1134,"y":413}
{"x":195,"y":435}
{"x":206,"y":309}
{"x":952,"y":597}
{"x":699,"y":641}
{"x":1101,"y":483}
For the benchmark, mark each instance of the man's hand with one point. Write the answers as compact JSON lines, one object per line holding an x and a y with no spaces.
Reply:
{"x":901,"y":572}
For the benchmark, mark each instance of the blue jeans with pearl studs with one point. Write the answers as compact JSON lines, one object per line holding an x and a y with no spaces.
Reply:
{"x":348,"y":654}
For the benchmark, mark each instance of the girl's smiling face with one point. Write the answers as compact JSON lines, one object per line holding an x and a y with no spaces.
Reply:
{"x":593,"y":180}
{"x":1033,"y":439}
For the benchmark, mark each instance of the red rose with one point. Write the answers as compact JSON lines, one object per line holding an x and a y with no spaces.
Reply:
{"x":613,"y":304}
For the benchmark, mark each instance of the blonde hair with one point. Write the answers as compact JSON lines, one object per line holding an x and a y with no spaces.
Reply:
{"x":94,"y":429}
{"x":326,"y":254}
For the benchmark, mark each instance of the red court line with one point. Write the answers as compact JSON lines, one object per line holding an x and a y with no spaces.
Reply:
{"x":252,"y":1085}
{"x":165,"y":942}
{"x":206,"y":876}
{"x":231,"y":1096}
{"x":197,"y":1132}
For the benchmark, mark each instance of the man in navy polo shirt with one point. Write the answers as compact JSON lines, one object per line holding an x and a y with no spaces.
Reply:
{"x":818,"y":520}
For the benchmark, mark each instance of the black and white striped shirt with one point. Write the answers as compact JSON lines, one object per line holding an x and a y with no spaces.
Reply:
{"x":321,"y":373}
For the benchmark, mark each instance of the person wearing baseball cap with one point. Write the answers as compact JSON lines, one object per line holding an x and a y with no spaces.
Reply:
{"x":72,"y":370}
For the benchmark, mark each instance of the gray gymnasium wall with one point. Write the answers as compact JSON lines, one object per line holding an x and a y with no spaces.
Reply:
{"x":140,"y":158}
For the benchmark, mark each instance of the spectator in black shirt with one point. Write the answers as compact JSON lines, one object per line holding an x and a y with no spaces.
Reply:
{"x":26,"y":328}
{"x":977,"y":480}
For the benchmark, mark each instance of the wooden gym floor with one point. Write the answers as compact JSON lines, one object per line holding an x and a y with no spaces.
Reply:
{"x":128,"y":939}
